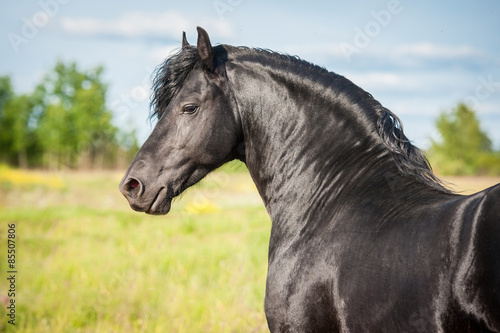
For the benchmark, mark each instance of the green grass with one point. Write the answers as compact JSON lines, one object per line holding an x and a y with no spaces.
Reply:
{"x":87,"y":263}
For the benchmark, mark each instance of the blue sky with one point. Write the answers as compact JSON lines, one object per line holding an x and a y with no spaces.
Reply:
{"x":418,"y":58}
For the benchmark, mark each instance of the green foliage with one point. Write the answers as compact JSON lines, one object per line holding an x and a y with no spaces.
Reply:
{"x":75,"y":118}
{"x":6,"y":121}
{"x":15,"y":136}
{"x":464,"y":149}
{"x":63,"y":123}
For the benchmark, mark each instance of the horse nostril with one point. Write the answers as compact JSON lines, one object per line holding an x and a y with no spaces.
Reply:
{"x":133,"y":187}
{"x":133,"y":183}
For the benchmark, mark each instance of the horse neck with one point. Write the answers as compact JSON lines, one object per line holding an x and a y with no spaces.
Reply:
{"x":303,"y":144}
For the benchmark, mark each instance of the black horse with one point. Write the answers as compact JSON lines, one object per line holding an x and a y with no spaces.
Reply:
{"x":364,"y":237}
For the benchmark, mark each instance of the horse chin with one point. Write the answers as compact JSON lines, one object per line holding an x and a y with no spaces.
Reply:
{"x":161,"y":204}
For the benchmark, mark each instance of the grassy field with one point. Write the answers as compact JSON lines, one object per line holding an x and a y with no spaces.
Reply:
{"x":86,"y":262}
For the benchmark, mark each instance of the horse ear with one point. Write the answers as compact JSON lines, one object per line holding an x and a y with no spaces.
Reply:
{"x":184,"y":40}
{"x":205,"y":49}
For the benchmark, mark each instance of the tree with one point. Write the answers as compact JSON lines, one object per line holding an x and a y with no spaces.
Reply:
{"x":5,"y":92}
{"x":463,"y":148}
{"x":15,"y":135}
{"x":6,"y":97}
{"x":22,"y":135}
{"x":63,"y":123}
{"x":74,"y":120}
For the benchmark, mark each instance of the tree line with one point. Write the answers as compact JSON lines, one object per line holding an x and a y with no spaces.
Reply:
{"x":63,"y":123}
{"x":463,"y":147}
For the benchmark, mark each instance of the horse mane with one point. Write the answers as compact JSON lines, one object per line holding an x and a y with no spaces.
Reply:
{"x":410,"y":160}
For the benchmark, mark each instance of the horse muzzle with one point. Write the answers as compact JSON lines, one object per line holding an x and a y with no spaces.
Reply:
{"x":151,"y":201}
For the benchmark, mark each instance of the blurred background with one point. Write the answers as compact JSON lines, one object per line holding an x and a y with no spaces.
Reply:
{"x":420,"y":59}
{"x":75,"y":82}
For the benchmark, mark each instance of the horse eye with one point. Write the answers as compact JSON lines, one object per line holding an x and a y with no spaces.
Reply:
{"x":189,"y":109}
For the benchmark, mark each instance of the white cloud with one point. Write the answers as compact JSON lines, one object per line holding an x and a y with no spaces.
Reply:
{"x":403,"y":55}
{"x":140,"y":24}
{"x":429,"y":50}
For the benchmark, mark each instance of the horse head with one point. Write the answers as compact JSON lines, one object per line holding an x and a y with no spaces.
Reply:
{"x":196,"y":132}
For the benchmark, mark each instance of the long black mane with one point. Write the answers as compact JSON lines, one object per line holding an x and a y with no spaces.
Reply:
{"x":169,"y":77}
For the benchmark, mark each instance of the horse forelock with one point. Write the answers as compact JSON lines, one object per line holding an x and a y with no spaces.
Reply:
{"x":169,"y":77}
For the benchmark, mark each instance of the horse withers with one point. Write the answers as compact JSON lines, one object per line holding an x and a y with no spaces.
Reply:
{"x":364,"y":237}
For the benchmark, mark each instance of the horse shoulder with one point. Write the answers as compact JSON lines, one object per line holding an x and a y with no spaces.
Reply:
{"x":479,"y":272}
